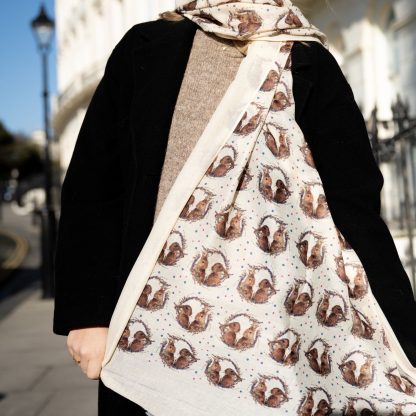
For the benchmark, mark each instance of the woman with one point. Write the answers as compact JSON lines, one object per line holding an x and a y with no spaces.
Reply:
{"x":152,"y":96}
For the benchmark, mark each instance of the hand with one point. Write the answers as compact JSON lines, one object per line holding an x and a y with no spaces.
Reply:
{"x":87,"y":347}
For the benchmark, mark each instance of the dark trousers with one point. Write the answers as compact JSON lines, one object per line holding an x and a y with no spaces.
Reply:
{"x":111,"y":403}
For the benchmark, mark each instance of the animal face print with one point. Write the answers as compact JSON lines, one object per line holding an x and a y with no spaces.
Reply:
{"x":317,"y":401}
{"x":240,"y":331}
{"x":250,"y":121}
{"x":400,"y":382}
{"x":269,"y":391}
{"x":136,"y":336}
{"x":313,"y":201}
{"x":172,"y":251}
{"x":284,"y":348}
{"x":277,"y":141}
{"x":361,"y":325}
{"x":193,"y":314}
{"x":177,"y":353}
{"x":154,"y":294}
{"x":271,"y":81}
{"x":367,"y":407}
{"x":278,"y":193}
{"x":257,"y":285}
{"x":299,"y":298}
{"x":223,"y":162}
{"x":197,"y":205}
{"x":307,"y":155}
{"x":281,"y":101}
{"x":222,"y":372}
{"x":229,"y":226}
{"x":311,"y":255}
{"x":271,"y":235}
{"x":332,"y":309}
{"x":318,"y":357}
{"x":357,"y":368}
{"x":257,"y":303}
{"x":210,"y":267}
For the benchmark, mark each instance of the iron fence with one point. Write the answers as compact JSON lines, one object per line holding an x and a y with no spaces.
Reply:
{"x":394,"y":146}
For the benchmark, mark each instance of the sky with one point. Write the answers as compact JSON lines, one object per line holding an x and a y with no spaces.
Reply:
{"x":20,"y":66}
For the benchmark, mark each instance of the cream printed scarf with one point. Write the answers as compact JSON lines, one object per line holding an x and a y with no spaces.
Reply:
{"x":246,"y":299}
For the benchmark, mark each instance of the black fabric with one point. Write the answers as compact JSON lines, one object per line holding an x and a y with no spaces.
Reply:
{"x":111,"y":403}
{"x":110,"y":189}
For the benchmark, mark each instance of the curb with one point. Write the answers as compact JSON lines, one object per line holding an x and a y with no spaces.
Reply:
{"x":18,"y":255}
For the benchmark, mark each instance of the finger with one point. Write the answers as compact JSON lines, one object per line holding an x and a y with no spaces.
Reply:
{"x":94,"y":369}
{"x":69,"y":347}
{"x":73,"y":348}
{"x":84,"y":364}
{"x":76,"y":356}
{"x":71,"y":352}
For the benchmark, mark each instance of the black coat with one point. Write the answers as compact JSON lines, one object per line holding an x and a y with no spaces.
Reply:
{"x":110,"y":188}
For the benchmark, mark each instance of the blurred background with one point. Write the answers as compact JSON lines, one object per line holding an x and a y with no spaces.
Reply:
{"x":53,"y":56}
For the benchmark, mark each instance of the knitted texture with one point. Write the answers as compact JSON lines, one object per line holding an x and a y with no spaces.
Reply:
{"x":212,"y":66}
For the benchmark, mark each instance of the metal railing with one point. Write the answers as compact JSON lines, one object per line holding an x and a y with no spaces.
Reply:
{"x":397,"y":152}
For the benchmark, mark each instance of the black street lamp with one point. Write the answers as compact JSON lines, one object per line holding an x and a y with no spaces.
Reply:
{"x":43,"y":28}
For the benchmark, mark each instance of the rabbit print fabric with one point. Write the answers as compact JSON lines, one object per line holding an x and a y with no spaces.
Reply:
{"x":255,"y":304}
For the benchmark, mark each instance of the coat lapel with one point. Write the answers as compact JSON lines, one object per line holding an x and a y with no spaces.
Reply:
{"x":159,"y":65}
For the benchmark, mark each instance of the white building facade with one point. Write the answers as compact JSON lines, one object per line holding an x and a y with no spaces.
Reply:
{"x":87,"y":31}
{"x":374,"y":43}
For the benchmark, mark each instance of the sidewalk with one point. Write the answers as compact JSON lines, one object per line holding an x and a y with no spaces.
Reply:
{"x":37,"y":375}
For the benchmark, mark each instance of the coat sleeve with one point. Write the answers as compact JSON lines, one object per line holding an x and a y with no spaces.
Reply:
{"x":352,"y":182}
{"x":89,"y":230}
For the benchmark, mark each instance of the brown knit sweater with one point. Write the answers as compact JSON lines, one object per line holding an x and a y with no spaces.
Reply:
{"x":212,"y":65}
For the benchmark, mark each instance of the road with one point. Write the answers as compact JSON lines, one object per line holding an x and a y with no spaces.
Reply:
{"x":37,"y":375}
